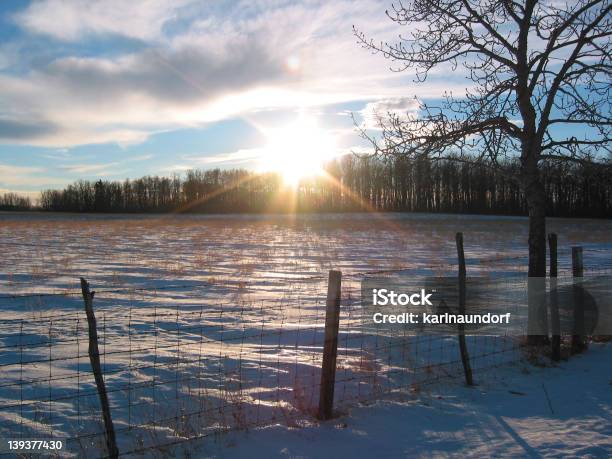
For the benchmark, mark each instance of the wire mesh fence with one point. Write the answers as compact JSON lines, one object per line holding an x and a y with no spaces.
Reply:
{"x":189,"y":360}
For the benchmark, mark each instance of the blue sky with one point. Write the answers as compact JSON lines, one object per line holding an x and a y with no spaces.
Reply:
{"x":114,"y":89}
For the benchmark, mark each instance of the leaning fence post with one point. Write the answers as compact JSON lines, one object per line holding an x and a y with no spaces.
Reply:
{"x":578,"y":338}
{"x":465,"y":358}
{"x":330,"y":349}
{"x":555,"y":324}
{"x":94,"y":358}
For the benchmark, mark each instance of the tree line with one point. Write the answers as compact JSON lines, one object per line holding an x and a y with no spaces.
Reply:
{"x":13,"y":201}
{"x":350,"y":184}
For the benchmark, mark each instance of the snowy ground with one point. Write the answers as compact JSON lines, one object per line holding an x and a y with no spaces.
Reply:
{"x":215,"y":322}
{"x":562,"y":411}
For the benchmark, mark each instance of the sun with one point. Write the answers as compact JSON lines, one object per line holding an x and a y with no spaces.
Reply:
{"x":297,"y":150}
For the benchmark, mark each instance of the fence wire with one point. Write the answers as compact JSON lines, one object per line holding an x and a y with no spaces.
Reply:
{"x":186,"y":361}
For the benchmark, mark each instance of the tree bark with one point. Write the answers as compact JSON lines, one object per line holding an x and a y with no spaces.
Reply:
{"x":536,"y":202}
{"x":535,"y":196}
{"x":537,"y":232}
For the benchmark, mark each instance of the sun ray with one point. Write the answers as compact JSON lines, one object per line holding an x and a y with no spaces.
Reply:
{"x":235,"y":184}
{"x":362,"y":203}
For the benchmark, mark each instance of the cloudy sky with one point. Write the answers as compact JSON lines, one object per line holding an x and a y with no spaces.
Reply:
{"x":113,"y":89}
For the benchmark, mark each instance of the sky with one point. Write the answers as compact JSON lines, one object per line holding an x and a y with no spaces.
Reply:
{"x":114,"y":89}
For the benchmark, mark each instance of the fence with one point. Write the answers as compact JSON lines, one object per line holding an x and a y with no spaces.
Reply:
{"x":183,"y":362}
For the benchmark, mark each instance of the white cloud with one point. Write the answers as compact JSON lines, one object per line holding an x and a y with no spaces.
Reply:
{"x":141,"y":157}
{"x":7,"y":170}
{"x":402,"y":107}
{"x":12,"y":177}
{"x":69,"y":20}
{"x":235,"y":157}
{"x":97,"y":169}
{"x":223,"y":60}
{"x":244,"y":157}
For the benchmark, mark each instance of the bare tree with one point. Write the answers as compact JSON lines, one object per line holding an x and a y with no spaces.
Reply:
{"x":537,"y":71}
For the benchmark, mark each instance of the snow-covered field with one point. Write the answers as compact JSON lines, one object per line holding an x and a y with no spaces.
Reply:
{"x":215,"y":322}
{"x":528,"y":411}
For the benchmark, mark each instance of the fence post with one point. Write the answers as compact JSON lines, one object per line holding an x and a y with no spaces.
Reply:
{"x":578,"y":338}
{"x":555,"y":324}
{"x":330,"y":349}
{"x":94,"y":358}
{"x":465,"y":358}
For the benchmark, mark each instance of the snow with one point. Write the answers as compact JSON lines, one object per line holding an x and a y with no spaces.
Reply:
{"x":508,"y":416}
{"x":224,"y":315}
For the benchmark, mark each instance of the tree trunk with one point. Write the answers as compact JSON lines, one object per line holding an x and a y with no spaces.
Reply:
{"x":537,"y":234}
{"x":536,"y":203}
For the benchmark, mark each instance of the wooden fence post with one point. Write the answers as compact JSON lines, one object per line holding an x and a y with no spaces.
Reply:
{"x":94,"y":359}
{"x":578,"y":338}
{"x":465,"y":358}
{"x":555,"y":323}
{"x":330,"y":349}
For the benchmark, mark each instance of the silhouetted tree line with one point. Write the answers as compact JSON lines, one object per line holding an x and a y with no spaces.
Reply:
{"x":351,"y":184}
{"x":13,"y":201}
